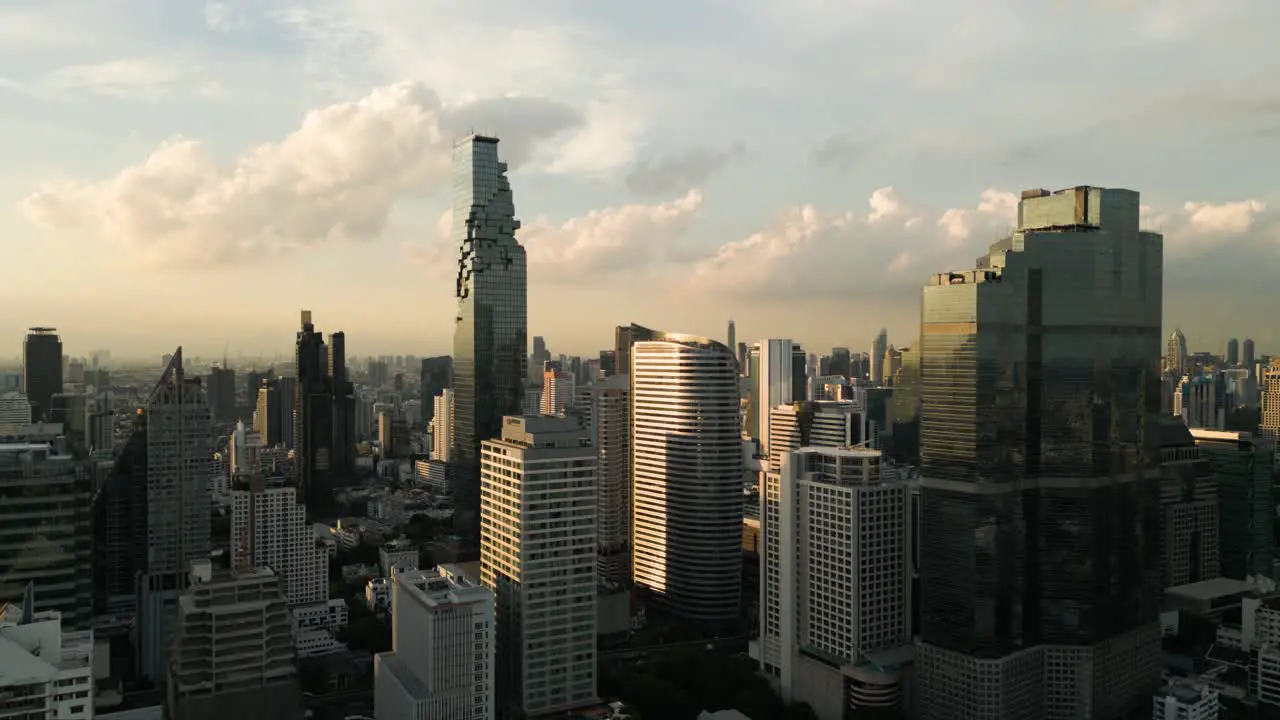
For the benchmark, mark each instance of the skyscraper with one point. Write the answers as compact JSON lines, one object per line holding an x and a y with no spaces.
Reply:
{"x":179,"y":446}
{"x":611,"y":437}
{"x":490,"y":339}
{"x":733,"y":335}
{"x":1248,"y":357}
{"x":687,"y":468}
{"x":344,"y":406}
{"x":437,"y":376}
{"x":1233,"y":352}
{"x":539,"y":558}
{"x":1040,"y":464}
{"x":269,"y":528}
{"x":1175,"y":354}
{"x":878,"y":349}
{"x":41,"y":369}
{"x":313,"y":426}
{"x":222,"y":394}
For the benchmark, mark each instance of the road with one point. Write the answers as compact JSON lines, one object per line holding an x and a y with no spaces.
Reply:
{"x":729,"y":644}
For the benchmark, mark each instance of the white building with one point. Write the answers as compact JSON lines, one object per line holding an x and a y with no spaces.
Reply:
{"x":538,"y":555}
{"x":1185,"y":701}
{"x":46,"y":673}
{"x":245,"y":445}
{"x":838,"y":601}
{"x":269,"y":528}
{"x":441,"y":666}
{"x":15,"y":411}
{"x":442,"y":426}
{"x":687,"y":470}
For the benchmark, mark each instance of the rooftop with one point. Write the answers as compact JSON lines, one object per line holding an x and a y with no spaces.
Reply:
{"x":1210,"y":589}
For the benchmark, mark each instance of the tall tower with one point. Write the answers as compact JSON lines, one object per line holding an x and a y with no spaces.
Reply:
{"x":490,"y":334}
{"x":1040,"y":466}
{"x":1248,"y":358}
{"x":313,"y":427}
{"x":41,"y":369}
{"x":878,"y":348}
{"x":610,"y":419}
{"x":1233,"y":352}
{"x":687,"y":468}
{"x":1175,"y":354}
{"x":538,"y":556}
{"x":733,"y":335}
{"x":344,"y":406}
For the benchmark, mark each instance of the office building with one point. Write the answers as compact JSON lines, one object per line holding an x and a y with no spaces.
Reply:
{"x":611,"y":437}
{"x":273,"y":416}
{"x":538,"y":556}
{"x":46,"y":531}
{"x":232,"y":653}
{"x":1269,"y":427}
{"x":442,"y":426}
{"x":1248,"y":357}
{"x":343,"y":458}
{"x":442,"y":659}
{"x":1242,"y":465}
{"x":269,"y":528}
{"x":490,"y":337}
{"x":538,"y":359}
{"x":1051,"y":459}
{"x":878,"y":349}
{"x":1175,"y":354}
{"x":1183,"y":700}
{"x":558,"y":387}
{"x":221,"y":392}
{"x":778,"y":373}
{"x":175,"y":508}
{"x":687,"y":469}
{"x":1188,"y":509}
{"x":436,"y":377}
{"x":1202,"y":401}
{"x":46,"y":670}
{"x":313,"y":425}
{"x":844,"y":608}
{"x":1233,"y":352}
{"x":41,"y":369}
{"x":15,"y":412}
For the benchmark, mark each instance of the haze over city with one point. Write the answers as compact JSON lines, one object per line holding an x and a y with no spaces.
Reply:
{"x":195,"y":174}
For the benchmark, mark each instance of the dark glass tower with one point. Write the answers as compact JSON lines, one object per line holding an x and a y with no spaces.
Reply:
{"x":1040,"y":460}
{"x":313,"y":420}
{"x":437,"y":374}
{"x":344,"y":406}
{"x":490,"y":340}
{"x":41,"y":369}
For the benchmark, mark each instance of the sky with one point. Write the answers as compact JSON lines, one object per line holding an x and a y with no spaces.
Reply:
{"x":179,"y":172}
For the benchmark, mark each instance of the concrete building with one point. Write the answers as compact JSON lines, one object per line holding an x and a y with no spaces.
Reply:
{"x":610,"y":426}
{"x":687,"y":470}
{"x":558,"y":385}
{"x":269,"y":529}
{"x":232,"y":654}
{"x":1189,"y":521}
{"x":15,"y":412}
{"x":1181,"y":700}
{"x":840,"y":622}
{"x":46,"y":672}
{"x":245,"y":446}
{"x":538,"y":556}
{"x":442,"y":426}
{"x":46,"y":527}
{"x":441,"y":666}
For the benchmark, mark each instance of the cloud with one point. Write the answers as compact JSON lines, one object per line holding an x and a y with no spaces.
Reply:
{"x":219,"y":16}
{"x":1230,"y":218}
{"x":137,"y":76}
{"x":689,"y":169}
{"x":336,"y":177}
{"x":840,"y":151}
{"x":625,"y":239}
{"x":996,"y":211}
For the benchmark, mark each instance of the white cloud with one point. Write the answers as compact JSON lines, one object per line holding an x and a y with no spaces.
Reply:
{"x":1230,"y":218}
{"x":121,"y":77}
{"x":336,"y":177}
{"x":219,"y":16}
{"x":994,"y":214}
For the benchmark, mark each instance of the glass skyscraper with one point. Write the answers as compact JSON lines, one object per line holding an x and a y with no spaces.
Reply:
{"x":1040,"y":460}
{"x":490,"y":339}
{"x":41,"y":369}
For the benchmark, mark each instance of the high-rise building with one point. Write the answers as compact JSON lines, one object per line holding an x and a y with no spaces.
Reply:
{"x":1040,"y":468}
{"x":221,"y":391}
{"x":687,"y":469}
{"x":878,"y":348}
{"x":558,"y":386}
{"x":1249,"y":358}
{"x":343,"y":459}
{"x":1233,"y":352}
{"x":624,"y":336}
{"x":608,"y":363}
{"x":1269,"y":384}
{"x":48,"y":669}
{"x":178,"y":447}
{"x":442,"y":659}
{"x":490,"y":336}
{"x":1202,"y":401}
{"x":41,"y":369}
{"x":442,"y":426}
{"x":538,"y":556}
{"x":1175,"y":353}
{"x":611,"y":436}
{"x":538,"y":359}
{"x":269,"y":419}
{"x":15,"y":412}
{"x":233,"y":652}
{"x":1242,"y":466}
{"x":778,"y":372}
{"x":845,"y":587}
{"x":313,"y":426}
{"x":436,"y":377}
{"x":1188,"y":509}
{"x":840,"y":362}
{"x":244,"y":446}
{"x":269,"y":528}
{"x":733,"y":335}
{"x":46,"y":531}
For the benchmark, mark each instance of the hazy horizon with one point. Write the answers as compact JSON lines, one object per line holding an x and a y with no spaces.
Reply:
{"x":187,"y":174}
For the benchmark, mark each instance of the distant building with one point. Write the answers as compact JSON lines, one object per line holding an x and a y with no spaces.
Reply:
{"x":46,"y":672}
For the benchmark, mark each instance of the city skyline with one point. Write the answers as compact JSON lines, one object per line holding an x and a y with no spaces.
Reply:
{"x":667,"y":190}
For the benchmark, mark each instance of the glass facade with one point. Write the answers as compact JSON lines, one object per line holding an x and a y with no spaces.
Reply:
{"x":1040,"y":396}
{"x":41,"y":369}
{"x":490,"y":341}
